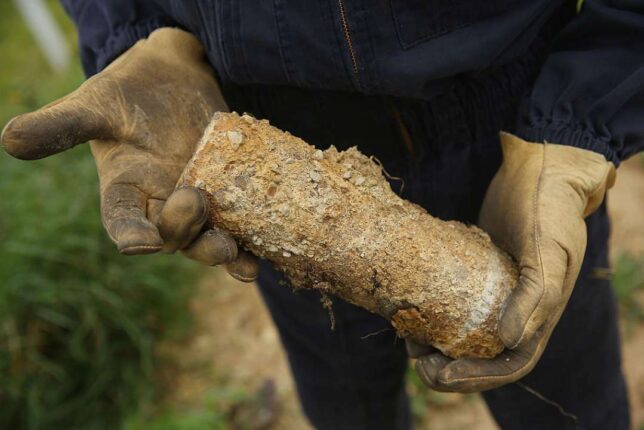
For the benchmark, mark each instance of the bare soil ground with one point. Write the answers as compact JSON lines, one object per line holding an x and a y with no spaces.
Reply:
{"x":236,"y":347}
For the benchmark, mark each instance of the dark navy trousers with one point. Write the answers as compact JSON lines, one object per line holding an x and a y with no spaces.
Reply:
{"x":445,"y":151}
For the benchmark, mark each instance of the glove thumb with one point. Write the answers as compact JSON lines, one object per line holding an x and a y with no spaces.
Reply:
{"x":55,"y":128}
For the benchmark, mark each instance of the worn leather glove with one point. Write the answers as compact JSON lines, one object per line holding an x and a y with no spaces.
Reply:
{"x":534,"y":209}
{"x":144,"y":115}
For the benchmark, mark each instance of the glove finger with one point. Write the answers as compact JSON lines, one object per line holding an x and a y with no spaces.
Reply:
{"x":416,"y":350}
{"x":245,"y":268}
{"x":155,"y":206}
{"x":212,"y":248}
{"x":55,"y":128}
{"x":428,"y":368}
{"x":123,"y":208}
{"x":536,"y":298}
{"x":469,"y":375}
{"x":182,"y":218}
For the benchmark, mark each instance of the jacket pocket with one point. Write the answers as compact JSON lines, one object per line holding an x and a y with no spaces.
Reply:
{"x":417,"y":21}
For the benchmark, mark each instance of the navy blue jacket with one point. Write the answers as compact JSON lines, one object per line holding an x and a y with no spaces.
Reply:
{"x":589,"y":92}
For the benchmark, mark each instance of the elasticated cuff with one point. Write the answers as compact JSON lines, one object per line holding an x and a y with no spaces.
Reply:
{"x":565,"y":133}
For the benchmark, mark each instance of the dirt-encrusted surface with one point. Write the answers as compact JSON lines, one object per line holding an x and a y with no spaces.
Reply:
{"x":330,"y":221}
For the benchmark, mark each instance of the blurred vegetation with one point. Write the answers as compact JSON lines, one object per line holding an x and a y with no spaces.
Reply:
{"x":628,"y":280}
{"x":221,"y":403}
{"x":78,"y":321}
{"x":26,"y":81}
{"x":423,"y":401}
{"x":218,"y":410}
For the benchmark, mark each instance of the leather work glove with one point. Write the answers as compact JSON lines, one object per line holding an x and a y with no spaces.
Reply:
{"x":144,"y":115}
{"x":534,"y":209}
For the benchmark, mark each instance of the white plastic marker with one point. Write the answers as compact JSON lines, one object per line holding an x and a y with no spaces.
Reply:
{"x":49,"y":37}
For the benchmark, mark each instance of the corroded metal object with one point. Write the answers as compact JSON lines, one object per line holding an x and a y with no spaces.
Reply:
{"x":331,"y":222}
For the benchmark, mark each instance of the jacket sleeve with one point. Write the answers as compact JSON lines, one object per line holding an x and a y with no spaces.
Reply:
{"x":590,"y":91}
{"x":107,"y":28}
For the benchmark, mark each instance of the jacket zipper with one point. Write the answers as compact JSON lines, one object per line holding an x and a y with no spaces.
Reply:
{"x":347,"y":36}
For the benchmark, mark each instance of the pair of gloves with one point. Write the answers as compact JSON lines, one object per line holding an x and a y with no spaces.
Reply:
{"x":144,"y":114}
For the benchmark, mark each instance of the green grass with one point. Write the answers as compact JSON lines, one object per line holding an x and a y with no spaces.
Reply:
{"x":628,"y":281}
{"x":78,"y":321}
{"x":213,"y":413}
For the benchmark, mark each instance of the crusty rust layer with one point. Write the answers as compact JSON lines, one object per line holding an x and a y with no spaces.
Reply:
{"x":330,"y":221}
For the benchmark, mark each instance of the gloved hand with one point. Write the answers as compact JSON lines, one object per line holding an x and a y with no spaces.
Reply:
{"x":144,"y":115}
{"x":534,"y":209}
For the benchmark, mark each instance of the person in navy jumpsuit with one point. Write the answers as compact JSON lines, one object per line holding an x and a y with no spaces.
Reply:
{"x":425,"y":86}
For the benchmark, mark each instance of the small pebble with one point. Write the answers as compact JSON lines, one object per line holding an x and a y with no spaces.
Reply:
{"x":285,"y":209}
{"x":249,"y":119}
{"x":318,"y":155}
{"x":359,"y":181}
{"x":347,"y":174}
{"x":272,"y":248}
{"x":235,"y":138}
{"x":286,"y":254}
{"x":315,"y":176}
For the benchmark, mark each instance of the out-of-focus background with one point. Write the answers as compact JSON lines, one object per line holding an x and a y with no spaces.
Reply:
{"x":90,"y":339}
